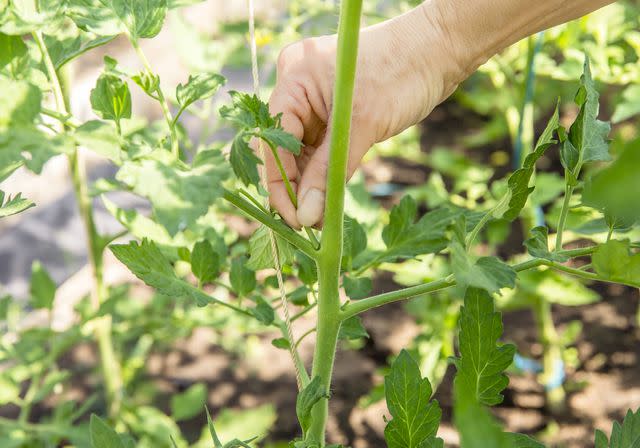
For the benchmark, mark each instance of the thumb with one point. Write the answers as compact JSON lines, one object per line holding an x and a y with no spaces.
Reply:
{"x":313,"y":183}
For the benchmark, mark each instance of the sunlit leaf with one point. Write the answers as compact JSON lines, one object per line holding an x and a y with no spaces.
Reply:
{"x":415,"y":418}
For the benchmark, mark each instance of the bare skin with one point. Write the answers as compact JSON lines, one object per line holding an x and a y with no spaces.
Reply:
{"x":406,"y":67}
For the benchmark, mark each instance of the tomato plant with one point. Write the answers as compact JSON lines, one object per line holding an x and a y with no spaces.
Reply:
{"x":186,"y":251}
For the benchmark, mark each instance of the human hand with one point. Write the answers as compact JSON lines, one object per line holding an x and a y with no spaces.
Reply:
{"x":396,"y":87}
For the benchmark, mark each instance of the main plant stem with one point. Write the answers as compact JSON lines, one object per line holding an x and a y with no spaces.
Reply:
{"x":329,"y":315}
{"x":110,"y":366}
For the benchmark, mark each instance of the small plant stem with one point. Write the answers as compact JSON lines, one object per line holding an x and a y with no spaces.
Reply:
{"x":110,"y":366}
{"x":164,"y":105}
{"x":283,"y":174}
{"x":568,"y":191}
{"x":303,"y":312}
{"x":478,"y":227}
{"x":312,"y":237}
{"x":290,"y":192}
{"x":329,"y":315}
{"x":268,"y":220}
{"x":552,"y":355}
{"x":253,"y":200}
{"x":304,"y":335}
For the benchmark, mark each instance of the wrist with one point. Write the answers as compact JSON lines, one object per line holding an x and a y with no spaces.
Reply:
{"x":412,"y":52}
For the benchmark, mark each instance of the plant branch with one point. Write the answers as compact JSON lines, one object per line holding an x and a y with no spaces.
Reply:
{"x":164,"y":104}
{"x":354,"y":308}
{"x":268,"y":220}
{"x":65,"y":119}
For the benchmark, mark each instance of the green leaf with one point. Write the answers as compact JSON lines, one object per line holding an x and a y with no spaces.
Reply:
{"x":42,"y":287}
{"x":614,"y":190}
{"x":488,"y":273}
{"x":243,"y":280}
{"x":479,"y":378}
{"x":148,"y":82}
{"x":415,"y":419}
{"x":110,"y":98}
{"x":244,"y":161}
{"x":179,"y":195}
{"x":626,"y":435}
{"x":212,"y":431}
{"x":189,"y":403}
{"x":141,"y":18}
{"x":405,"y":238}
{"x":19,"y":103}
{"x":352,"y":328}
{"x":248,"y":112}
{"x":14,"y":57}
{"x":63,"y":51}
{"x":100,"y":137}
{"x":299,"y":296}
{"x":629,"y":106}
{"x":102,"y":436}
{"x":261,"y":253}
{"x":482,"y":361}
{"x":95,"y":16}
{"x":354,"y":241}
{"x":522,"y":441}
{"x":538,"y":245}
{"x":279,"y":138}
{"x":149,"y":265}
{"x":14,"y":205}
{"x":263,"y":311}
{"x":205,"y":263}
{"x":357,"y":288}
{"x":307,"y":269}
{"x":588,"y":134}
{"x":518,"y":184}
{"x":281,"y":343}
{"x":9,"y":390}
{"x":307,"y":398}
{"x":615,"y":261}
{"x":477,"y":427}
{"x":198,"y":87}
{"x":26,"y":16}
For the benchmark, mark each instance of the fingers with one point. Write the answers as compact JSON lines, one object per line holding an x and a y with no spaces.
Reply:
{"x":313,"y":183}
{"x":278,"y":195}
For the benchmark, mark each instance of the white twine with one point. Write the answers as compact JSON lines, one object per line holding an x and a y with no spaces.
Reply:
{"x":263,"y":181}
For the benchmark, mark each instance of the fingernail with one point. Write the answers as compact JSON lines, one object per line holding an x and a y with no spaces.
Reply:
{"x":311,"y":207}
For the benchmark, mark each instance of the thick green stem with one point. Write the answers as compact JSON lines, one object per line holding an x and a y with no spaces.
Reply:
{"x":329,"y":315}
{"x":109,"y":362}
{"x":327,"y":329}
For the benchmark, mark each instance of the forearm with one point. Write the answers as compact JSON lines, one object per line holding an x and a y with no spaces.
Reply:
{"x":455,"y":37}
{"x":478,"y":29}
